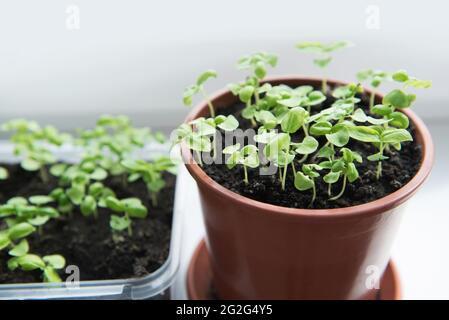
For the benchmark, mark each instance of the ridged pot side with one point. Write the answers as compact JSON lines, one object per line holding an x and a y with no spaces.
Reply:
{"x":262,"y":251}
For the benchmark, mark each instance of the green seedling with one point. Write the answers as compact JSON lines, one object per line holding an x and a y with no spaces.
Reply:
{"x":399,"y":99}
{"x":33,"y":143}
{"x":29,"y":262}
{"x":344,"y":168}
{"x":381,"y":137}
{"x":258,"y":64}
{"x":246,"y":90}
{"x":114,"y":139}
{"x":305,"y":179}
{"x":198,"y":87}
{"x":323,"y":51}
{"x":151,"y":173}
{"x":77,"y":180}
{"x":130,"y":208}
{"x":25,"y":213}
{"x":246,"y":157}
{"x":14,"y":233}
{"x":375,"y":78}
{"x":197,"y":134}
{"x":278,"y":151}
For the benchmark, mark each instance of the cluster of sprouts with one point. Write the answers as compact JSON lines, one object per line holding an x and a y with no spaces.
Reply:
{"x":297,"y":134}
{"x":110,"y":149}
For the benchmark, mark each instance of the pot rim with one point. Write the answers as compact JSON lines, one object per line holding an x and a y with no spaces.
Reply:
{"x":388,"y":202}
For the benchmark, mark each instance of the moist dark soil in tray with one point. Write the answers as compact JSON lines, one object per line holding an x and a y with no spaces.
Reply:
{"x":89,"y":243}
{"x":397,"y":171}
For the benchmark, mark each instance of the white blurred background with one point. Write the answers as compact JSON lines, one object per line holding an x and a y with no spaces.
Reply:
{"x":136,"y":57}
{"x":66,"y":62}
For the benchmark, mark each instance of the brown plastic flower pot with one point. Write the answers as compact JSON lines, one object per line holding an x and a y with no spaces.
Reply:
{"x":262,"y":251}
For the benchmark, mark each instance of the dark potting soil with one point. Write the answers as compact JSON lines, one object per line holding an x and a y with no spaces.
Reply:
{"x":397,"y":171}
{"x":89,"y":243}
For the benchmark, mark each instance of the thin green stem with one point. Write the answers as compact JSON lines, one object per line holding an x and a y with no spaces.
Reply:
{"x":313,"y":194}
{"x":306,"y":130}
{"x":371,"y":99}
{"x":324,"y":86}
{"x":198,"y":155}
{"x":43,"y":174}
{"x":304,"y":158}
{"x":379,"y":163}
{"x":245,"y":179}
{"x":253,"y":123}
{"x":284,"y":176}
{"x":209,"y":103}
{"x":154,"y":199}
{"x":342,"y":190}
{"x":329,"y":189}
{"x":293,"y":168}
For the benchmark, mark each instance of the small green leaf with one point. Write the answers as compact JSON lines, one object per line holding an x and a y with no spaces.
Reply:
{"x":246,"y":93}
{"x":332,"y":177}
{"x":364,"y":134}
{"x":39,"y":220}
{"x":250,"y":156}
{"x":76,"y":193}
{"x":339,"y":136}
{"x":88,"y":206}
{"x":268,"y":120}
{"x":396,"y":136}
{"x":20,"y":230}
{"x":41,"y":200}
{"x":303,"y":182}
{"x":55,"y":261}
{"x":321,"y":128}
{"x":189,"y":92}
{"x":382,"y":110}
{"x":377,"y":157}
{"x":293,"y":120}
{"x":204,"y":127}
{"x":307,"y":146}
{"x":199,"y":143}
{"x":18,"y":201}
{"x":13,"y":263}
{"x":231,"y":149}
{"x":58,"y":169}
{"x":326,"y":152}
{"x":30,"y":165}
{"x":138,"y":211}
{"x":400,"y":76}
{"x":20,"y":249}
{"x":30,"y":262}
{"x":4,"y":240}
{"x":99,"y":174}
{"x":399,"y":120}
{"x":115,"y":204}
{"x":205,"y":76}
{"x":229,"y":124}
{"x":419,"y":84}
{"x":398,"y":99}
{"x":119,"y":223}
{"x":322,"y":63}
{"x":352,"y":173}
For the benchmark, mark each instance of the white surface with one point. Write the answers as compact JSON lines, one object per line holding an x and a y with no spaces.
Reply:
{"x":136,"y":57}
{"x":421,"y":247}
